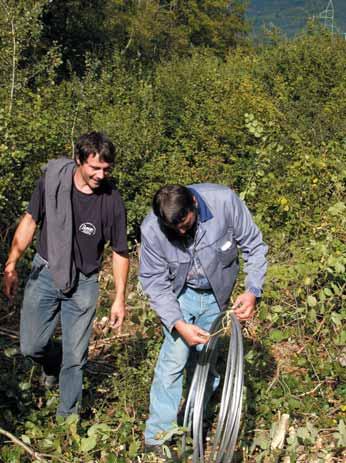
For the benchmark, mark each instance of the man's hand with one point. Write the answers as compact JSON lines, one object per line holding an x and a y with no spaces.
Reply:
{"x":117,"y":315}
{"x":10,"y":282}
{"x":120,"y":273}
{"x":192,"y":334}
{"x":244,"y":306}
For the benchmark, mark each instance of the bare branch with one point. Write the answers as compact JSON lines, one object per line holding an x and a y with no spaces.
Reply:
{"x":280,"y":433}
{"x":17,"y":441}
{"x":72,"y":129}
{"x":14,"y":60}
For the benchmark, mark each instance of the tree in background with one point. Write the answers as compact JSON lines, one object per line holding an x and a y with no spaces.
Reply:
{"x":78,"y":27}
{"x":22,"y":61}
{"x":142,"y":30}
{"x":27,"y":79}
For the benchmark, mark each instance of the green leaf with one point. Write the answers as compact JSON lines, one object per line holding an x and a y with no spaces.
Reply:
{"x":322,"y":296}
{"x":341,"y":339}
{"x":328,"y":292}
{"x":26,"y":439}
{"x":87,"y":444}
{"x":336,"y":318}
{"x":47,"y":443}
{"x":342,"y":434}
{"x":24,"y":386}
{"x":312,"y":315}
{"x":303,"y":433}
{"x":338,"y":209}
{"x":311,"y":301}
{"x":312,"y":430}
{"x":261,"y":441}
{"x":111,"y":458}
{"x":72,"y":419}
{"x":336,"y":288}
{"x":60,"y":419}
{"x":277,"y":335}
{"x":133,"y":448}
{"x":98,"y":428}
{"x":11,"y":351}
{"x":339,"y":267}
{"x":294,"y":403}
{"x":52,"y":402}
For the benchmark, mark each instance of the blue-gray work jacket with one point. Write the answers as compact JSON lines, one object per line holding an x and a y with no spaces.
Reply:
{"x":225,"y":225}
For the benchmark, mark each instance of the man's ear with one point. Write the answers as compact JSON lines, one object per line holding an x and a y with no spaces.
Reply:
{"x":77,"y":161}
{"x":195,"y":202}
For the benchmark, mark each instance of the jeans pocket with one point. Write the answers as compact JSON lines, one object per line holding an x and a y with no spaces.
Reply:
{"x":37,"y":265}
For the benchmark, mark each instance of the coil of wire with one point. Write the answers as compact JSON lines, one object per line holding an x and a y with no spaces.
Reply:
{"x":228,"y":421}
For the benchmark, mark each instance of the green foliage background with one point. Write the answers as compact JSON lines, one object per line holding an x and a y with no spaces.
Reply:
{"x":198,"y":103}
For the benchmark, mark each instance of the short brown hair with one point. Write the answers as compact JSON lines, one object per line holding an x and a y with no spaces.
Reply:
{"x":94,"y":143}
{"x":172,"y":203}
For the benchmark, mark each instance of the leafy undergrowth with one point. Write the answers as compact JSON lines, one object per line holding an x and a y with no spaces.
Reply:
{"x":295,"y":360}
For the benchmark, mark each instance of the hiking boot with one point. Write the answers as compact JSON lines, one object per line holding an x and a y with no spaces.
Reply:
{"x":48,"y":381}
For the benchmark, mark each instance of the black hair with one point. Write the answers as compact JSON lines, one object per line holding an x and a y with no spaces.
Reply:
{"x":95,"y":143}
{"x":172,"y":203}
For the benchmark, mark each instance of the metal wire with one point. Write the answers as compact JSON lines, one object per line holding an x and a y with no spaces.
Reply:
{"x":228,"y":421}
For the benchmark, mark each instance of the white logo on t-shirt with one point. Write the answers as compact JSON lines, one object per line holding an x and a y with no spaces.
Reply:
{"x":87,"y":228}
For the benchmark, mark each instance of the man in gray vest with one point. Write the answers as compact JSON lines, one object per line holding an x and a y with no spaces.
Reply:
{"x":188,"y":268}
{"x":77,"y":210}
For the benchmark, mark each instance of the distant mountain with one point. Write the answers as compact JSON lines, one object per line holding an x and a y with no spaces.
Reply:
{"x":291,"y":15}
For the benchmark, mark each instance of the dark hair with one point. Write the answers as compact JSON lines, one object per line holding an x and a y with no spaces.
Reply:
{"x":94,"y":143}
{"x":172,"y":203}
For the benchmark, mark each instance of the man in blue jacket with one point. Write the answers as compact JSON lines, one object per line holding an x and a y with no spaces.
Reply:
{"x":188,"y":269}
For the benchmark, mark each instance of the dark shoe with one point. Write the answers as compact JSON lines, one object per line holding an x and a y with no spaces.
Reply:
{"x":158,"y":451}
{"x":48,"y":381}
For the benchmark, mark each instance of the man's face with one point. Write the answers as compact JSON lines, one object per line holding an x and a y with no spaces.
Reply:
{"x":93,"y":171}
{"x":186,"y":225}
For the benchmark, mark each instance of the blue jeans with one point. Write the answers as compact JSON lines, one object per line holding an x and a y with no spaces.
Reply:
{"x":42,"y":305}
{"x":197,"y":307}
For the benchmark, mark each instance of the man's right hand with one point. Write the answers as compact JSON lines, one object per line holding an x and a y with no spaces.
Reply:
{"x":10,"y":282}
{"x":192,"y":334}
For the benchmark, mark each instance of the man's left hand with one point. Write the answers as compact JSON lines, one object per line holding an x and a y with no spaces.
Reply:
{"x":117,"y":315}
{"x":244,"y":306}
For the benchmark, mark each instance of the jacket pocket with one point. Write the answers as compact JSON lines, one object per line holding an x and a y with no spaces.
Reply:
{"x":172,"y":270}
{"x":226,"y":249}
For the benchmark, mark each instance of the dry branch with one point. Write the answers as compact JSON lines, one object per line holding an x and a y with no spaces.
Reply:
{"x":280,"y":433}
{"x":24,"y":446}
{"x":9,"y":333}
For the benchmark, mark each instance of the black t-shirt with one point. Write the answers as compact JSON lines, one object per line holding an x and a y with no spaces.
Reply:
{"x":97,"y":218}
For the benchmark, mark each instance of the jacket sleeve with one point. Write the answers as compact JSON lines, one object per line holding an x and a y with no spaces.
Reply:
{"x":249,"y":239}
{"x":154,"y":278}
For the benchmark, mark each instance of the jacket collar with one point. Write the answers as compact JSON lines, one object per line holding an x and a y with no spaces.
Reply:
{"x":204,"y":212}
